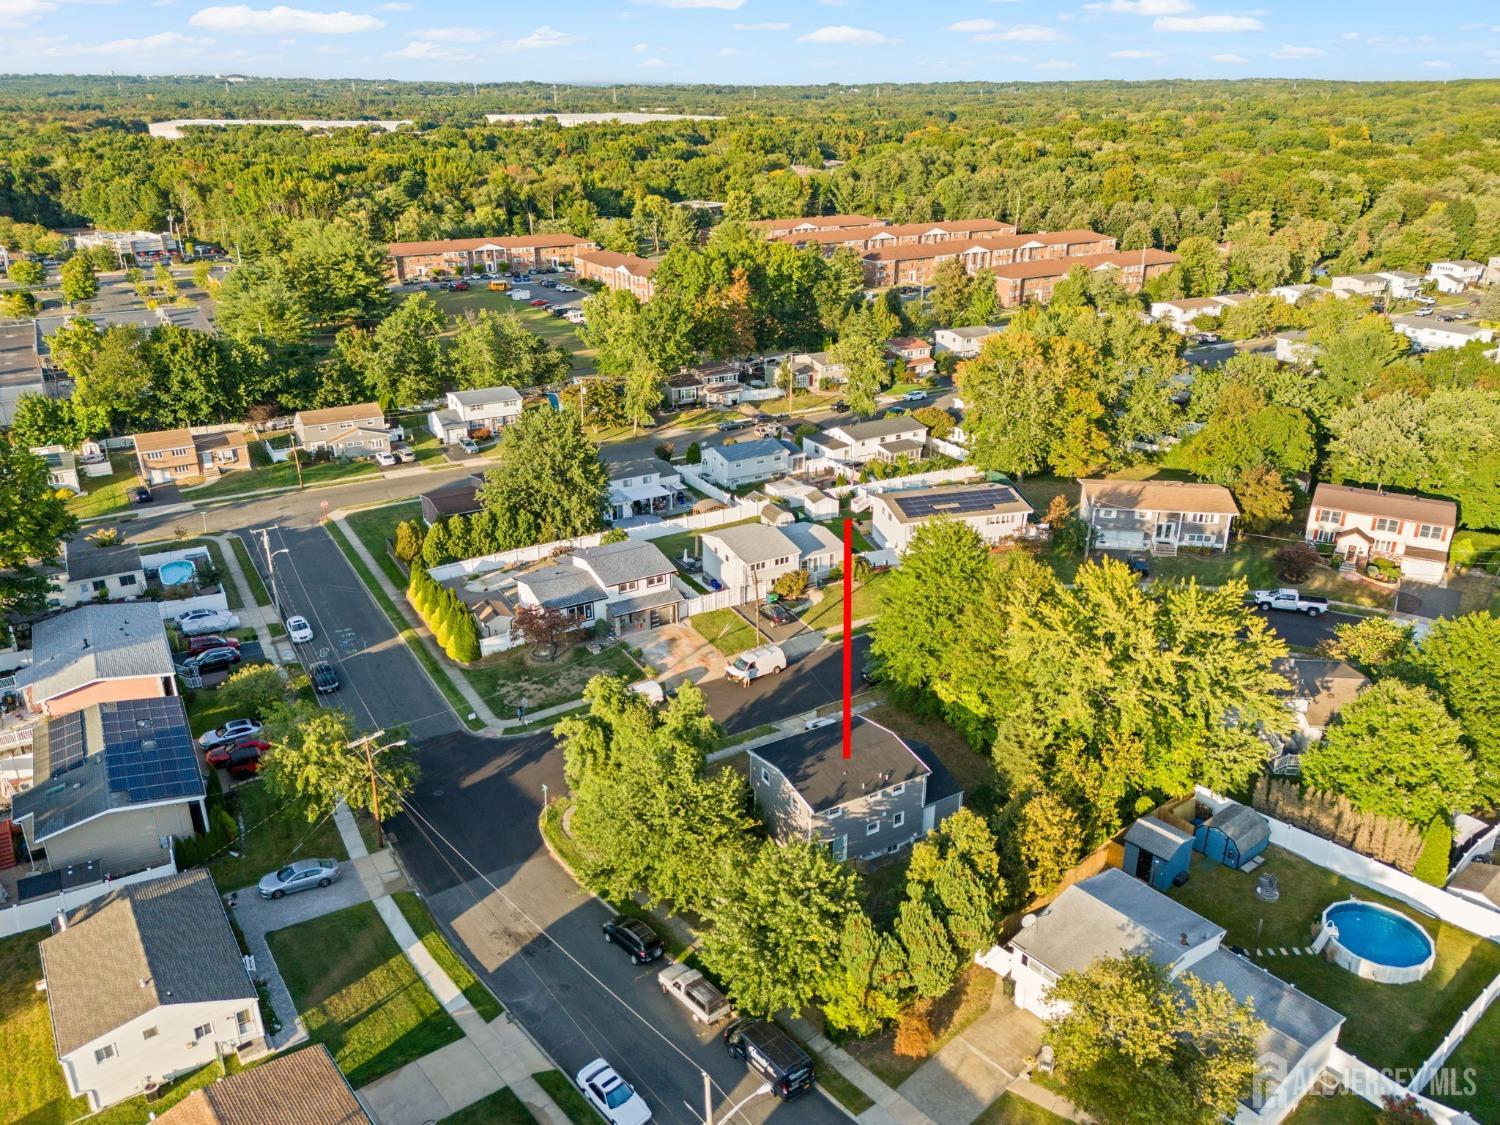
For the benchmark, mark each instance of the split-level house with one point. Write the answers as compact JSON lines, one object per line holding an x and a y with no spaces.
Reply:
{"x":964,"y":342}
{"x":630,"y":583}
{"x":748,"y":558}
{"x":819,"y":369}
{"x":145,"y":984}
{"x":345,"y":431}
{"x":1156,"y":516}
{"x":1455,"y":276}
{"x":1113,"y":915}
{"x":1364,"y":523}
{"x":464,"y":412}
{"x":1293,"y":346}
{"x":1429,"y":335}
{"x":162,"y":456}
{"x":996,"y":512}
{"x":62,"y":466}
{"x":618,"y":271}
{"x":645,"y":486}
{"x":1183,"y":313}
{"x":1400,"y":284}
{"x":887,"y":795}
{"x":880,"y":439}
{"x":914,"y":352}
{"x":730,"y":465}
{"x":89,"y":572}
{"x":96,"y":654}
{"x":1296,"y":292}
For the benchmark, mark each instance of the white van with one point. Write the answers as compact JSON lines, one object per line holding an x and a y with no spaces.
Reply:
{"x":520,"y":294}
{"x":650,"y":689}
{"x":756,"y":662}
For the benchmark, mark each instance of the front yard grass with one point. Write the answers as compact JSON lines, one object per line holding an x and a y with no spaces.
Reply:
{"x":562,"y":1091}
{"x":415,"y":911}
{"x":500,"y":1108}
{"x":505,"y":679}
{"x":829,"y":612}
{"x":725,"y":629}
{"x":276,"y":832}
{"x":29,"y":1072}
{"x":1387,"y":1026}
{"x":951,"y":1013}
{"x":358,"y":994}
{"x":1012,"y":1109}
{"x":375,"y":526}
{"x":106,"y":495}
{"x":283,"y":475}
{"x":252,"y":574}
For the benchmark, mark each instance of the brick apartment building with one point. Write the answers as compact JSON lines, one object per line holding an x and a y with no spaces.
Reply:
{"x":618,"y":271}
{"x":1035,"y":280}
{"x":875,"y":237}
{"x":775,"y":228}
{"x":415,"y":260}
{"x":914,"y":262}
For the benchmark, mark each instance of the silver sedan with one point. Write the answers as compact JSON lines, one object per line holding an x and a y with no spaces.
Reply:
{"x":300,"y":875}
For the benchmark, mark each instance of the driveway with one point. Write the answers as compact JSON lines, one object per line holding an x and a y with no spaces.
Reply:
{"x":957,"y":1084}
{"x":1423,"y":600}
{"x":679,"y":654}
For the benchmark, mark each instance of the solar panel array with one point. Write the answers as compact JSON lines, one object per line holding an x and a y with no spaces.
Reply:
{"x":953,"y":502}
{"x":148,"y":750}
{"x":65,"y":744}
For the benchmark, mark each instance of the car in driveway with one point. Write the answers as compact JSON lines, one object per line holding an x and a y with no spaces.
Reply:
{"x":468,"y":445}
{"x":207,"y":641}
{"x":914,"y":396}
{"x":244,"y":761}
{"x":197,"y":621}
{"x":299,"y":875}
{"x":221,"y":755}
{"x":778,"y":613}
{"x":385,"y":460}
{"x":235,"y":730}
{"x":299,"y":629}
{"x":211,"y":661}
{"x":614,"y":1098}
{"x":324,"y":678}
{"x":1138,"y":565}
{"x":634,"y":937}
{"x":140,"y":496}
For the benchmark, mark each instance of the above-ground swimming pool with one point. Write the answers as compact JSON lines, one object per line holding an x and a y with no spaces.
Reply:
{"x":176,"y":572}
{"x":1376,"y":942}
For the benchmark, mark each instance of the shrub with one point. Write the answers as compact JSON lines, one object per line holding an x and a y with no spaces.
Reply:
{"x":1071,"y":535}
{"x":694,"y":454}
{"x":251,"y":690}
{"x":196,"y":850}
{"x":614,"y":535}
{"x":1432,"y":863}
{"x":914,"y":1037}
{"x":408,"y":545}
{"x":792,"y":584}
{"x":1296,"y":561}
{"x":1384,"y":570}
{"x":664,"y":451}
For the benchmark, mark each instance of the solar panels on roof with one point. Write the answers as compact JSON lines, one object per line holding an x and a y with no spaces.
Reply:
{"x":65,"y":744}
{"x":148,"y":750}
{"x":959,"y":501}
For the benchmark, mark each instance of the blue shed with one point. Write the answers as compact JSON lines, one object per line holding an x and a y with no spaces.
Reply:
{"x":1157,"y":853}
{"x":1233,"y":836}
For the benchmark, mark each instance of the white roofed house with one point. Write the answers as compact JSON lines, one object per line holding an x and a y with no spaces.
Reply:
{"x":1159,"y":516}
{"x":1432,"y":335}
{"x":748,"y":558}
{"x":732,"y":464}
{"x":996,"y":512}
{"x":964,"y":342}
{"x":1291,"y":294}
{"x":880,"y":439}
{"x":1182,"y":313}
{"x":645,"y":488}
{"x":1455,"y":276}
{"x":1293,"y":346}
{"x":1363,"y":523}
{"x":491,"y":408}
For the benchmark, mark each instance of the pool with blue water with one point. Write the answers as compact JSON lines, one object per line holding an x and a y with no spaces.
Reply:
{"x":1377,"y":934}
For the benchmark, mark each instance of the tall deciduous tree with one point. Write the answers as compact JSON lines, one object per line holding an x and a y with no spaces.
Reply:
{"x":865,"y":988}
{"x":549,"y":477}
{"x":26,"y":273}
{"x":405,"y":364}
{"x":79,"y":282}
{"x":316,"y":762}
{"x":861,"y":351}
{"x":1460,"y":656}
{"x":33,"y":522}
{"x":492,"y":349}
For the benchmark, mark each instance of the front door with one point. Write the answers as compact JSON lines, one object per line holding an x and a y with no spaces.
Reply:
{"x":1166,"y":531}
{"x":1351,"y":553}
{"x":1143,"y":860}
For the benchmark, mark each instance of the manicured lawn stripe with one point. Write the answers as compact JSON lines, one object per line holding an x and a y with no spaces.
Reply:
{"x":252,"y":574}
{"x":420,"y":919}
{"x":30,"y":1077}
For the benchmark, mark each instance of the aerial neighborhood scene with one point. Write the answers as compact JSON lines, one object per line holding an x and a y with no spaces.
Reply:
{"x":731,"y":561}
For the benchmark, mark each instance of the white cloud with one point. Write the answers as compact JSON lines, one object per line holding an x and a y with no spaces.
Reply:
{"x":1208,"y":23}
{"x":768,"y":25}
{"x":395,"y":6}
{"x":1437,"y":64}
{"x":1136,"y":54}
{"x":730,"y":52}
{"x":656,"y":64}
{"x":724,"y":5}
{"x":845,"y":35}
{"x":973,"y":25}
{"x":436,"y":52}
{"x":1287,"y":51}
{"x":16,"y":13}
{"x":543,"y":38}
{"x":1235,"y":60}
{"x":1143,"y":7}
{"x":1351,"y":35}
{"x":454,"y":34}
{"x":1056,"y":64}
{"x":1020,"y":33}
{"x":281,"y":20}
{"x":164,"y":41}
{"x":330,"y":49}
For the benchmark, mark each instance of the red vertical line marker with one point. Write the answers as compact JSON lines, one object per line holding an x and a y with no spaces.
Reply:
{"x":848,"y":637}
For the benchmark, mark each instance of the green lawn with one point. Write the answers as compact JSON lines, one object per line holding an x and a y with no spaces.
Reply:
{"x":506,"y":678}
{"x":283,"y":475}
{"x":1344,"y":1109}
{"x":420,"y":919}
{"x":133,"y":1111}
{"x":358,"y":994}
{"x":1386,"y":1025}
{"x":500,"y":1108}
{"x":1477,"y":548}
{"x":276,"y":832}
{"x":1252,"y":560}
{"x":109,"y":494}
{"x":374,"y":526}
{"x":562,"y":1091}
{"x":725,"y":629}
{"x":829,"y":613}
{"x":1012,"y":1109}
{"x":861,"y":543}
{"x":679,"y":541}
{"x":1472,"y":1067}
{"x":252,"y":574}
{"x":555,"y":330}
{"x":30,"y":1076}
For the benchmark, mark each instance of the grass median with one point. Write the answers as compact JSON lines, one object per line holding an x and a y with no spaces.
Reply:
{"x":415,"y":911}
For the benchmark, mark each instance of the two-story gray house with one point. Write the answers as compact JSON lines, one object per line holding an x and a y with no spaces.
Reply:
{"x":888,"y":794}
{"x":1155,"y":515}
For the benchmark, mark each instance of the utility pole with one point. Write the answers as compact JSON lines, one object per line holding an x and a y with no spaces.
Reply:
{"x":370,"y":752}
{"x":708,"y":1099}
{"x":297,"y":460}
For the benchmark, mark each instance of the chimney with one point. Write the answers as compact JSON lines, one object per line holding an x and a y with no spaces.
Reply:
{"x":59,"y":921}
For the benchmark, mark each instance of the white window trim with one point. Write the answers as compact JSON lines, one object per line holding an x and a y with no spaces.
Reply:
{"x":872,"y":827}
{"x":898,"y":819}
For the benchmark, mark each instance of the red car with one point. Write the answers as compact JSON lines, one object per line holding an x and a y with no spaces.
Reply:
{"x":539,"y":303}
{"x":195,"y":645}
{"x":243,"y":766}
{"x":225,"y":755}
{"x":461,"y":286}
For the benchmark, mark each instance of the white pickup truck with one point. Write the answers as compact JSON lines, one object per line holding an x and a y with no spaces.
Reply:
{"x":1291,"y":600}
{"x":692,"y":990}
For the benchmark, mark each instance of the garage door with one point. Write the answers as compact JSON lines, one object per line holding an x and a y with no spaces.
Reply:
{"x":160,"y":476}
{"x":1120,"y":540}
{"x":1422,"y":570}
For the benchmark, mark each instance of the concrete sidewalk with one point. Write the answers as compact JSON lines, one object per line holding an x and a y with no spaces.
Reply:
{"x":489,"y":1056}
{"x":889,"y":1105}
{"x":251,"y":614}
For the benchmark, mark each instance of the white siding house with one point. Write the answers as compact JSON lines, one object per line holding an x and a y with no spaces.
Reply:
{"x":1159,"y":516}
{"x":1364,"y":523}
{"x":1431,"y":335}
{"x":746,"y":462}
{"x":491,"y":408}
{"x":1455,"y":276}
{"x":881,"y":439}
{"x":996,"y":512}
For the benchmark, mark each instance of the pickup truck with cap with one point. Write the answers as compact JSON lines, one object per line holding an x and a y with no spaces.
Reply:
{"x":695,"y":992}
{"x":1290,"y":600}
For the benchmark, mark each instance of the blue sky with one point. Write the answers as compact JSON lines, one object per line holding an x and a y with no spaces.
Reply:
{"x":758,"y":41}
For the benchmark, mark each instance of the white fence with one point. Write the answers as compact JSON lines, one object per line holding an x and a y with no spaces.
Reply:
{"x":1455,"y":1036}
{"x":1368,"y":1083}
{"x":717,"y":599}
{"x":38,"y":912}
{"x":916,"y":480}
{"x":947,"y":448}
{"x":693,"y":477}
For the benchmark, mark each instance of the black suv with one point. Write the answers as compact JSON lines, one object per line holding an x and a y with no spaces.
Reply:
{"x":324,"y":678}
{"x":635,"y":937}
{"x":771,"y":1053}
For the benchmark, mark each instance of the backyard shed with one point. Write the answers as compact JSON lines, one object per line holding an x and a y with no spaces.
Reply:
{"x":1233,"y":836}
{"x":1157,"y":852}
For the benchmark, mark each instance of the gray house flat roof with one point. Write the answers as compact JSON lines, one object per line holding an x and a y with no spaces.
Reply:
{"x":85,"y":560}
{"x":95,"y":642}
{"x":639,"y":467}
{"x":878,"y":428}
{"x":485,"y":396}
{"x":813,"y":763}
{"x":166,"y":941}
{"x":750,"y":450}
{"x":634,"y":560}
{"x":812,"y":538}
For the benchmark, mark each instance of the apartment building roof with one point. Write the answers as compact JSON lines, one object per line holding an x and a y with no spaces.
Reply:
{"x":1059,"y":267}
{"x":629,"y":263}
{"x":505,"y":242}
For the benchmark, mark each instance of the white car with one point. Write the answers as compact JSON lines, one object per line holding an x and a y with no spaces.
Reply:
{"x":235,"y":730}
{"x":520,"y":294}
{"x":468,"y":445}
{"x":611,"y":1095}
{"x":196,"y":622}
{"x":561,"y":288}
{"x":385,"y":460}
{"x":914,"y":396}
{"x":299,"y":629}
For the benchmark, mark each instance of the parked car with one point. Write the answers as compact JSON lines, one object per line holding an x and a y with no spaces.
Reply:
{"x":539,"y":303}
{"x":840,"y":407}
{"x":1139,"y":566}
{"x":561,"y":288}
{"x":385,"y":460}
{"x":236,"y":730}
{"x":1289,"y":599}
{"x":914,"y":396}
{"x":733,"y":424}
{"x":221,"y":756}
{"x":695,"y":992}
{"x":635,"y":938}
{"x":140,"y":495}
{"x":778,"y":613}
{"x":611,"y":1095}
{"x":771,"y":1053}
{"x":461,"y":286}
{"x":299,"y":629}
{"x":755,"y":663}
{"x":299,"y":875}
{"x":649,"y":690}
{"x":243,"y":764}
{"x":195,"y":645}
{"x":468,"y":445}
{"x":873,"y":670}
{"x":197,"y":621}
{"x":404,"y":453}
{"x":212,"y":660}
{"x":324,"y":678}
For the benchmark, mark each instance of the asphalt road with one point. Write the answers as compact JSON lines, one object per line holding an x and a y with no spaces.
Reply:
{"x":471,"y":842}
{"x":1307,"y":632}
